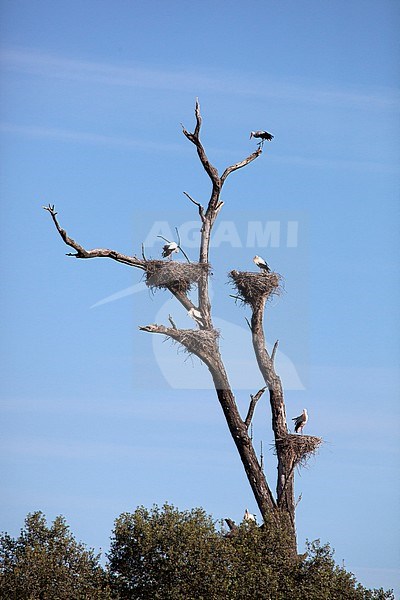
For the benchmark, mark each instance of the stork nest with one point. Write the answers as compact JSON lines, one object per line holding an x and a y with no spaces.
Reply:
{"x":301,"y":447}
{"x":176,"y":276}
{"x":198,"y":341}
{"x":256,"y":287}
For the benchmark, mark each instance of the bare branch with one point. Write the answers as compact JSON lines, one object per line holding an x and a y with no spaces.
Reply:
{"x":231,"y":524}
{"x":194,"y":138}
{"x":248,"y":323}
{"x":198,"y":118}
{"x":165,"y":239}
{"x":181,"y":297}
{"x":202,"y":343}
{"x":170,"y":319}
{"x":154,"y":328}
{"x":218,"y":207}
{"x":179,"y":245}
{"x":274,"y":349}
{"x":253,"y":402}
{"x":200,"y":207}
{"x":240,"y":164}
{"x":132,"y":261}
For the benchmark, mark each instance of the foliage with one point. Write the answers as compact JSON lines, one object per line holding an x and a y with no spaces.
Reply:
{"x":164,"y":553}
{"x":46,"y":563}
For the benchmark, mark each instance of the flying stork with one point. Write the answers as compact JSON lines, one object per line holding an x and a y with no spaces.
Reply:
{"x":300,"y":421}
{"x":262,"y":136}
{"x":196,"y":316}
{"x":169,"y":249}
{"x":261,"y":263}
{"x":248,"y":516}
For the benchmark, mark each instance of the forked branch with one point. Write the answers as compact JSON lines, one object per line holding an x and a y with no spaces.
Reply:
{"x":240,"y":164}
{"x":195,"y":139}
{"x":212,"y":172}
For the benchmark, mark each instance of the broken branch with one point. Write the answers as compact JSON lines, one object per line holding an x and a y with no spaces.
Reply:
{"x":170,"y":319}
{"x":200,"y":207}
{"x":253,"y":402}
{"x":274,"y":349}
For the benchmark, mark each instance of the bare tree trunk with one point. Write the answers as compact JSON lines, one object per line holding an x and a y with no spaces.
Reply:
{"x":239,"y":432}
{"x":285,"y":479}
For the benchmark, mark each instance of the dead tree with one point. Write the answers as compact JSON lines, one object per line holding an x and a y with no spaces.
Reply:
{"x":254,"y":289}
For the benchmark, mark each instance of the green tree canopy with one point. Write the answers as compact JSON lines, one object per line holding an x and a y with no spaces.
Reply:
{"x":164,"y":554}
{"x":167,"y":554}
{"x":46,"y":563}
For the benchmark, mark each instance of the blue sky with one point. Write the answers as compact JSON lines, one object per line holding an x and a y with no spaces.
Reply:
{"x":98,"y":417}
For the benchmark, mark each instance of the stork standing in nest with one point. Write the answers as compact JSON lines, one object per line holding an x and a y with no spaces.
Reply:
{"x":300,"y":421}
{"x":248,"y":516}
{"x":261,"y":263}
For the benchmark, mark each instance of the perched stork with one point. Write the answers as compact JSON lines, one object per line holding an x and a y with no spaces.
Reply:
{"x":300,"y":421}
{"x":248,"y":516}
{"x":169,"y":249}
{"x":261,"y":263}
{"x":196,"y":316}
{"x":262,"y":135}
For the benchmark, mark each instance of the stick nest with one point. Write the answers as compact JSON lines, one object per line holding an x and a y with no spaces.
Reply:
{"x":254,"y":288}
{"x":177,"y":276}
{"x":198,"y":341}
{"x":302,"y":447}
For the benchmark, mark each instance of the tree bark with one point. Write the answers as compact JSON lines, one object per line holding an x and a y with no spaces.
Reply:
{"x":285,"y":478}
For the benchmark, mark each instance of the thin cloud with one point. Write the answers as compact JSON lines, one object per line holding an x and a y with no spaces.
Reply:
{"x":352,"y":165}
{"x":82,"y":137}
{"x":84,"y":450}
{"x":33,"y":62}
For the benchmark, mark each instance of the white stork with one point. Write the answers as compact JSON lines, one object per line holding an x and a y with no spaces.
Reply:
{"x":300,"y":421}
{"x":262,"y":135}
{"x":261,"y":263}
{"x":249,"y":517}
{"x":196,"y":316}
{"x":169,"y":249}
